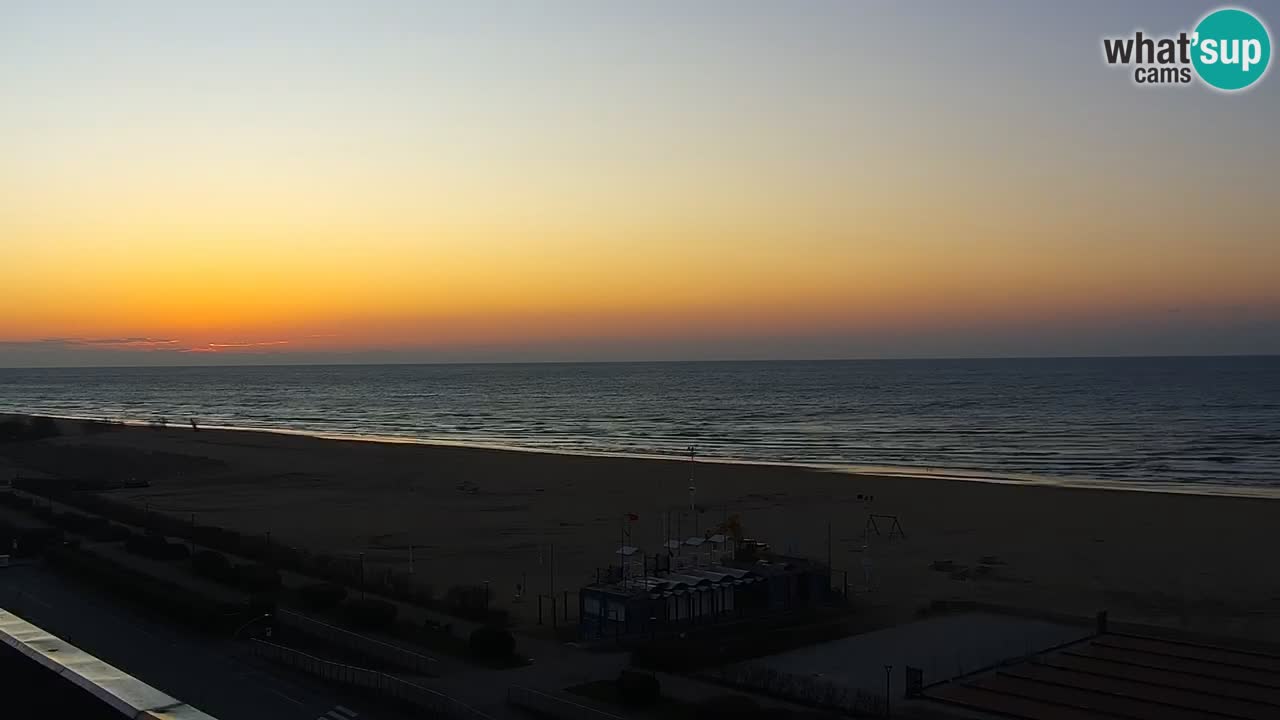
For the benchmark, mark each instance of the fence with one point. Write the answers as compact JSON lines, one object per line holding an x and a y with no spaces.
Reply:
{"x":389,"y":686}
{"x":323,"y":669}
{"x":362,"y":645}
{"x":552,"y":706}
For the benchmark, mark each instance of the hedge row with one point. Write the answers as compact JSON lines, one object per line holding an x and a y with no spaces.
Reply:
{"x":156,"y":547}
{"x":368,"y":613}
{"x":27,"y":541}
{"x":321,"y":596}
{"x":155,"y":594}
{"x":468,"y":602}
{"x":251,"y":577}
{"x":11,"y":499}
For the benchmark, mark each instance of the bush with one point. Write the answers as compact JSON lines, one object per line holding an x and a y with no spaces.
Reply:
{"x":14,"y":500}
{"x":35,"y":540}
{"x":75,"y":522}
{"x":211,"y":564}
{"x":369,"y":613}
{"x":258,"y":578}
{"x":638,"y":689}
{"x":322,"y":596}
{"x":470,"y":602}
{"x":108,"y":532}
{"x":262,"y":603}
{"x":156,"y":547}
{"x":152,"y":593}
{"x":136,"y":544}
{"x":492,"y":643}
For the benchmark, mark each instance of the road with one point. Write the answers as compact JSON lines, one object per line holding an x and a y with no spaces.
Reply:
{"x":216,"y":675}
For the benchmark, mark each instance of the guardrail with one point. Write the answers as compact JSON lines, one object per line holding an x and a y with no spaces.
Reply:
{"x":552,"y":706}
{"x":394,"y":655}
{"x":436,"y":703}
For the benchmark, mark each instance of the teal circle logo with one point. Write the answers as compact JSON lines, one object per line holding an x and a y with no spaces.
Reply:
{"x":1231,"y":49}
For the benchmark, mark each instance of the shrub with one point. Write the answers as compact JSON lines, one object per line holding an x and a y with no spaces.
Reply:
{"x":467,"y":601}
{"x":150,"y":592}
{"x":322,"y":596}
{"x":258,"y":578}
{"x":211,"y":564}
{"x":14,"y":500}
{"x":287,"y":557}
{"x":75,"y":522}
{"x":216,"y":537}
{"x":492,"y":643}
{"x":262,"y":603}
{"x":35,"y":540}
{"x":136,"y":544}
{"x":369,"y":613}
{"x":156,"y":547}
{"x":638,"y":689}
{"x":105,"y":531}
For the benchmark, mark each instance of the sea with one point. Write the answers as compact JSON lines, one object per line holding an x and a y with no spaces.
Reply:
{"x":1204,"y":424}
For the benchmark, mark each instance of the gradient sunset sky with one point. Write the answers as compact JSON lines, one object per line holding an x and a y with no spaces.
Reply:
{"x":411,"y":181}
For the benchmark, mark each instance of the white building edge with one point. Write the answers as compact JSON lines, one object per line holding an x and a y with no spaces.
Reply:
{"x":113,"y":687}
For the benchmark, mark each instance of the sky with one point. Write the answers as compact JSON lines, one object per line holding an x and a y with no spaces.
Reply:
{"x":269,"y":181}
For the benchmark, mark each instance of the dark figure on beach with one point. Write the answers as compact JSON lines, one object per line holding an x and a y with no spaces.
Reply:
{"x":193,"y":425}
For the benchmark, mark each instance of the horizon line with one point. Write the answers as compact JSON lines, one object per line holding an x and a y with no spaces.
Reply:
{"x":939,"y":358}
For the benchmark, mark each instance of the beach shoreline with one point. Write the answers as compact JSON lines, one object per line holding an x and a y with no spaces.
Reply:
{"x":546,"y":521}
{"x":881,"y":471}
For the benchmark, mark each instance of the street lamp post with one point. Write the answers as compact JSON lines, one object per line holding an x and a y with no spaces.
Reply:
{"x":888,"y":670}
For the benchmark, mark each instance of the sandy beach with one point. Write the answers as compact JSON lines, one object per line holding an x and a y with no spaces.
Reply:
{"x":1200,"y":563}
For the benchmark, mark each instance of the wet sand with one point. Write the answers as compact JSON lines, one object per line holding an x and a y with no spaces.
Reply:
{"x":1202,"y":563}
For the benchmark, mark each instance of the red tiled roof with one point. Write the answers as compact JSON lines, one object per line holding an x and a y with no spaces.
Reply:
{"x":1125,"y":676}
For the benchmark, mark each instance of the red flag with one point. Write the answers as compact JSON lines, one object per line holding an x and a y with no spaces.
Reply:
{"x":632,"y":517}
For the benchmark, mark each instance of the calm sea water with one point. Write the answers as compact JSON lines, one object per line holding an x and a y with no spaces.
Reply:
{"x":1194,"y":422}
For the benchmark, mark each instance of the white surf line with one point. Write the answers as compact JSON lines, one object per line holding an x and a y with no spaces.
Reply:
{"x":1209,"y":489}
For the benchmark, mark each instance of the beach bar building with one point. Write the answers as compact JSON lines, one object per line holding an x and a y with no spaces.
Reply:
{"x":619,"y":605}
